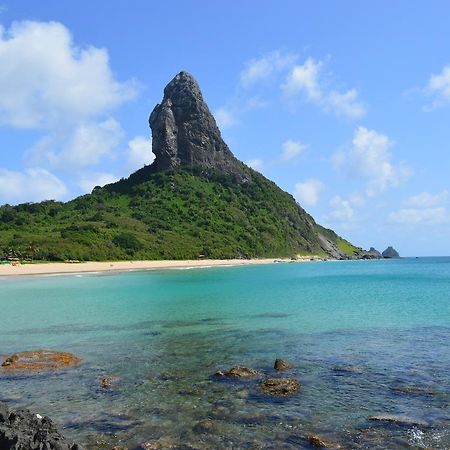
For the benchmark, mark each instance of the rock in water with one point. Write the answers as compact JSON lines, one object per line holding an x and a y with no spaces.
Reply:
{"x":22,"y":430}
{"x":280,"y":387}
{"x":186,"y":134}
{"x":390,"y":252}
{"x":374,"y":253}
{"x":281,"y":364}
{"x":399,"y":420}
{"x":239,"y":373}
{"x":40,"y":360}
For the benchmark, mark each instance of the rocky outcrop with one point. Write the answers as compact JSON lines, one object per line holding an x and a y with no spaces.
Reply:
{"x":40,"y":360}
{"x":374,"y":252}
{"x":22,"y":430}
{"x":281,"y":364}
{"x":239,"y":373}
{"x":280,"y":387}
{"x":390,"y":252}
{"x":399,"y":420}
{"x":186,"y":134}
{"x":109,"y":382}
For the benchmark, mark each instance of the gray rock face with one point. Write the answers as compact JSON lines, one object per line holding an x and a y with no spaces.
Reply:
{"x":373,"y":251}
{"x":390,"y":252}
{"x":186,"y":134}
{"x":22,"y":430}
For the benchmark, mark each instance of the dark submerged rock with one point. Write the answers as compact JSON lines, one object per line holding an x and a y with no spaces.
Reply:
{"x":281,"y":364}
{"x":109,"y":382}
{"x":280,"y":387}
{"x":206,"y":426}
{"x":239,"y":373}
{"x":350,"y":369}
{"x":22,"y":430}
{"x":413,"y":390}
{"x":399,"y":420}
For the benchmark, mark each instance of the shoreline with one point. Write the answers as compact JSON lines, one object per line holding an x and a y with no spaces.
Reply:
{"x":54,"y":268}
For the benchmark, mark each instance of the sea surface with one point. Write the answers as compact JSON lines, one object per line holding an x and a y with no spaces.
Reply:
{"x":365,"y":338}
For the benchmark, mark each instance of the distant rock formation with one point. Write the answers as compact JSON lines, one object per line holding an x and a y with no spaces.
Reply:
{"x":390,"y":252}
{"x":186,"y":134}
{"x":374,"y":252}
{"x":20,"y":429}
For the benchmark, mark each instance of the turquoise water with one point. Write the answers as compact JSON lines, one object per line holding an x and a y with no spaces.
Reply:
{"x":164,"y":333}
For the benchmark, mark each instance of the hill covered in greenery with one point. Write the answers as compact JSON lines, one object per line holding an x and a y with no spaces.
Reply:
{"x":195,"y":200}
{"x":172,"y":215}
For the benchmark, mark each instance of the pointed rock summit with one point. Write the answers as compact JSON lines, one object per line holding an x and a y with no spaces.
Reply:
{"x":185,"y":133}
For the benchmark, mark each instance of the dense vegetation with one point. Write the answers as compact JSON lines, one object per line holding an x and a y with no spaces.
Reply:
{"x":166,"y":215}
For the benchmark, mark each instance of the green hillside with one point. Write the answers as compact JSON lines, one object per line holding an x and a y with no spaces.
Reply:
{"x":176,"y":214}
{"x":196,"y":200}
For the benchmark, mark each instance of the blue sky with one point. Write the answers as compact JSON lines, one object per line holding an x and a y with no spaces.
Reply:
{"x":346,"y":105}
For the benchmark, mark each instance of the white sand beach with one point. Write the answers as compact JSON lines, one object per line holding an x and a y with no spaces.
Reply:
{"x":93,"y":266}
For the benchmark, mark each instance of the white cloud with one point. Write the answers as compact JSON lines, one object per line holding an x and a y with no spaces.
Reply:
{"x":369,"y":157}
{"x":140,"y":152}
{"x":345,"y":104}
{"x":225,"y":118}
{"x":427,"y":200}
{"x":343,"y":209}
{"x":439,"y":86}
{"x":84,"y":146}
{"x":308,"y":192}
{"x":423,"y":209}
{"x":305,"y":78}
{"x":308,"y":79}
{"x":46,"y":79}
{"x":416,"y":216}
{"x":262,"y":68}
{"x":291,"y":149}
{"x":88,"y":182}
{"x":255,"y":163}
{"x":32,"y":185}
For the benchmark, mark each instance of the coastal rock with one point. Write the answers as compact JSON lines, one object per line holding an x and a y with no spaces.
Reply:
{"x":312,"y":440}
{"x":374,"y":253}
{"x":40,"y":360}
{"x":239,"y":373}
{"x":22,"y":430}
{"x":280,"y":387}
{"x":349,"y":369}
{"x":414,"y":390}
{"x":186,"y":134}
{"x":390,"y":253}
{"x":281,"y":364}
{"x":317,"y":441}
{"x":206,"y":426}
{"x":108,"y":382}
{"x":399,"y":420}
{"x":163,"y":443}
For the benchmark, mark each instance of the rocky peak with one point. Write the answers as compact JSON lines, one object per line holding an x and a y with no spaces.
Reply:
{"x":373,"y":251}
{"x":390,"y":252}
{"x":185,"y":133}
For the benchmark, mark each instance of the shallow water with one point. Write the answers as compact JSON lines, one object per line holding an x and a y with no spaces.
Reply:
{"x":164,"y":333}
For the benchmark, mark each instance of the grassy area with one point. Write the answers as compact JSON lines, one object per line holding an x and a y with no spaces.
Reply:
{"x":168,"y":215}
